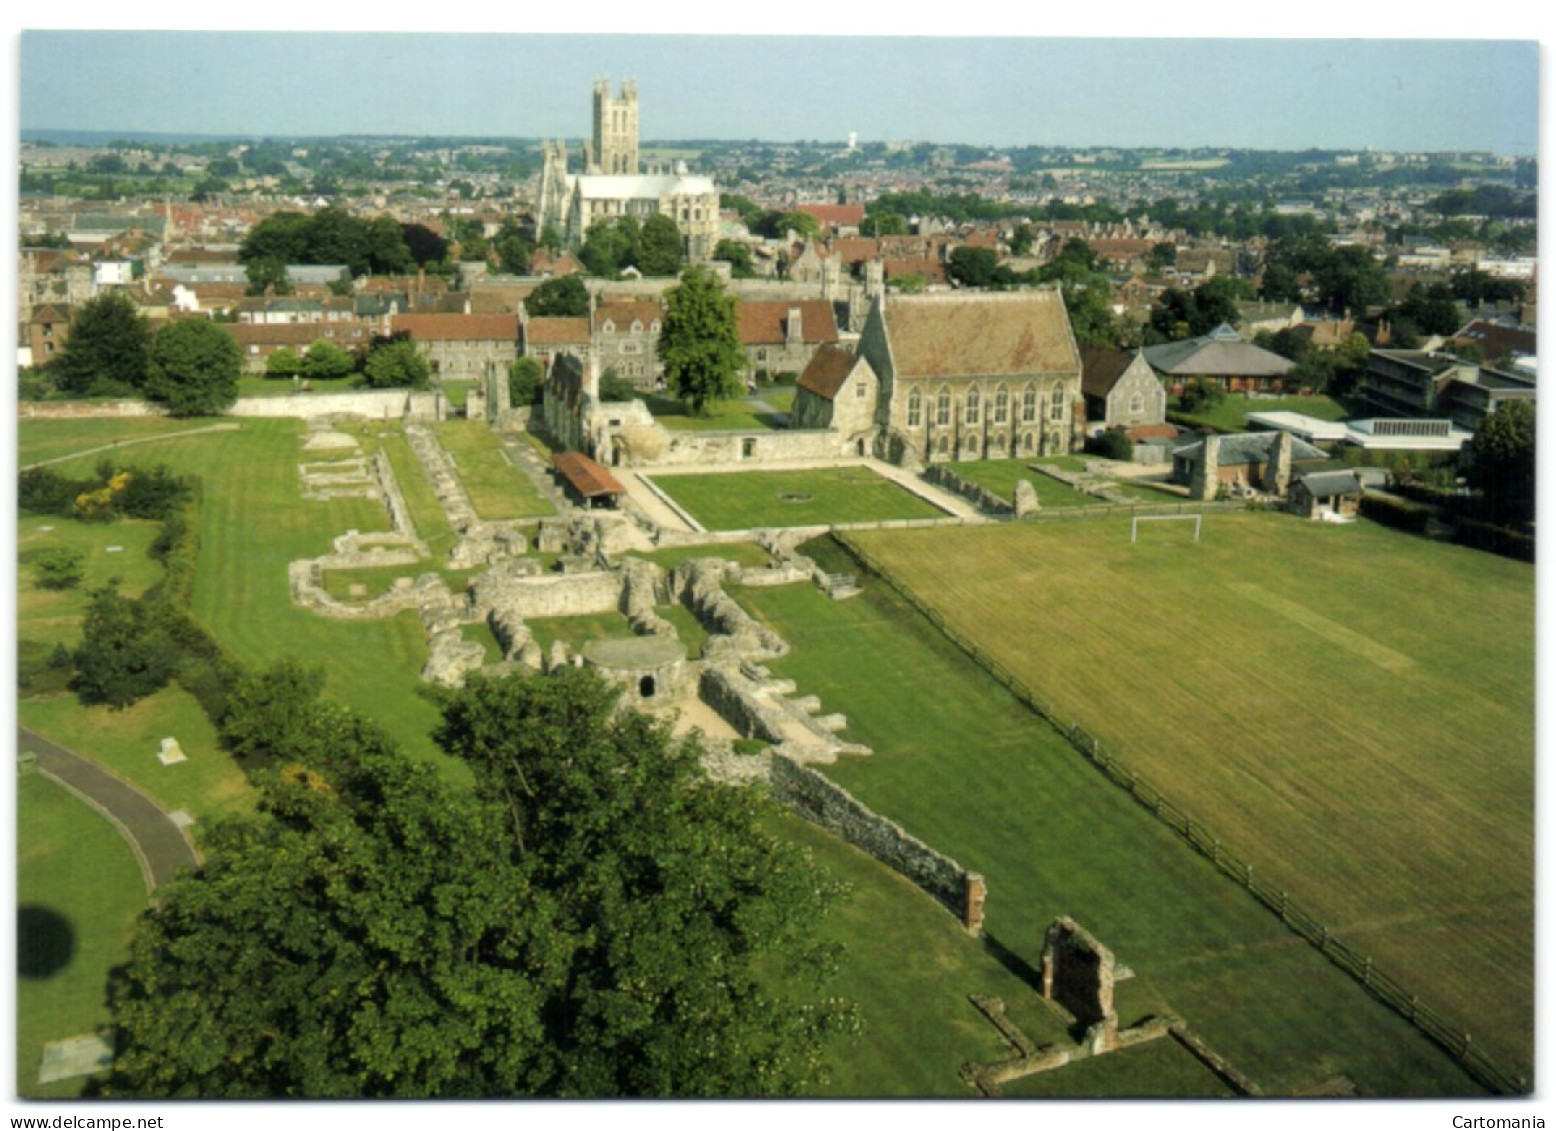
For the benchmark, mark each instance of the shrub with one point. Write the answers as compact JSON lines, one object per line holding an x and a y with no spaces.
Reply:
{"x":124,"y":656}
{"x":1399,"y":513}
{"x":41,"y":490}
{"x":1112,"y":444}
{"x":1496,"y":539}
{"x":59,"y":568}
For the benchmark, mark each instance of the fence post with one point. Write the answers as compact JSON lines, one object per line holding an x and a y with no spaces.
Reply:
{"x":1283,"y":905}
{"x":1215,"y":852}
{"x":1415,"y":1003}
{"x":1367,"y":973}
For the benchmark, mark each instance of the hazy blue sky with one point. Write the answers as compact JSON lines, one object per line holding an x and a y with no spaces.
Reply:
{"x":1265,"y":93}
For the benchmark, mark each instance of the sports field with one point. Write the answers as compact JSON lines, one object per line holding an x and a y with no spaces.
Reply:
{"x":1349,"y":709}
{"x":744,"y":500}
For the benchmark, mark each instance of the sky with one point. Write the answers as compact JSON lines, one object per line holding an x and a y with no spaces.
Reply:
{"x":1020,"y":89}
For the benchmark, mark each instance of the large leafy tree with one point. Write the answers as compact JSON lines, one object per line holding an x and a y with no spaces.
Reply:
{"x":108,"y":347}
{"x":124,"y":654}
{"x":1503,"y":463}
{"x":397,"y":364}
{"x":563,"y":297}
{"x":658,"y":250}
{"x":609,"y":246}
{"x":593,"y":918}
{"x":700,"y":342}
{"x":194,"y":368}
{"x":364,"y":933}
{"x":972,"y":266}
{"x":326,"y":361}
{"x":695,"y":971}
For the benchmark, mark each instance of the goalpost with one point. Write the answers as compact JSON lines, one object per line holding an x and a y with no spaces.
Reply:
{"x":1134,"y":526}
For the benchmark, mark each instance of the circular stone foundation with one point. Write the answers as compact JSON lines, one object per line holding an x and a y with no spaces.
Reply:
{"x":652,"y":669}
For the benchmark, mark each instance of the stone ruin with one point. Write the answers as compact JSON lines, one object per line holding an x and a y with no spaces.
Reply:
{"x":1078,"y":976}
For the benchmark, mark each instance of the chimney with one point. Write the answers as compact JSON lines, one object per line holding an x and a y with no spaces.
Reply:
{"x":1207,"y":475}
{"x":1280,"y":472}
{"x":794,"y":334}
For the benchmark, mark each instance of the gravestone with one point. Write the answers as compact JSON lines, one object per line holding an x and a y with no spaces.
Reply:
{"x":171,"y":753}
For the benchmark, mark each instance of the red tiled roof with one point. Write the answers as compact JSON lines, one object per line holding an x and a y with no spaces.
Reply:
{"x":766,"y":323}
{"x":587,"y":477}
{"x":554,"y":331}
{"x":295,"y":333}
{"x":458,"y":327}
{"x":622,"y":312}
{"x":834,"y":215}
{"x":827,"y":371}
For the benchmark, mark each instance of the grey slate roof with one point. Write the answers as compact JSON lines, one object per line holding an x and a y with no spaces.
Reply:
{"x":1327,"y":484}
{"x":1220,"y":353}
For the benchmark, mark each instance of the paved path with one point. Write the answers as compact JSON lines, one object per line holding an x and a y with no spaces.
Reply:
{"x":159,"y":845}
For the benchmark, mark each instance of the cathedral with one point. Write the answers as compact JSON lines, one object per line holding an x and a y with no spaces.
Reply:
{"x":612,"y":186}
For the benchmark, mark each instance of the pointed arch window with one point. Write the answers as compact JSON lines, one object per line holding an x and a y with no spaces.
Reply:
{"x":943,"y":408}
{"x":1056,"y":404}
{"x":974,"y":405}
{"x":1001,"y":405}
{"x":915,"y":409}
{"x":1028,"y":404}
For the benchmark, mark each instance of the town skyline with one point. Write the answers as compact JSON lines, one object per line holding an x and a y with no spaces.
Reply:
{"x":1389,"y":95}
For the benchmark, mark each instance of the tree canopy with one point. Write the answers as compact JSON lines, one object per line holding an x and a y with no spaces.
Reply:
{"x":1503,"y":462}
{"x":194,"y":367}
{"x":658,"y":250}
{"x":563,"y":297}
{"x":594,"y":918}
{"x":396,"y":364}
{"x":108,"y":349}
{"x":700,"y":342}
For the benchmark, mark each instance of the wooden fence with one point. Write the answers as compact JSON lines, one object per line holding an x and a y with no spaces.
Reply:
{"x":1485,"y":1070}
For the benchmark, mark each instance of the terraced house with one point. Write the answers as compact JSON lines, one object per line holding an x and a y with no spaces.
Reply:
{"x":975,"y":376}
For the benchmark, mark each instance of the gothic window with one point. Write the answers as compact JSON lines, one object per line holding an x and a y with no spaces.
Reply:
{"x":1001,"y":405}
{"x":972,"y":405}
{"x":941,"y":446}
{"x":943,"y":408}
{"x":915,"y":409}
{"x":1056,"y":404}
{"x":859,"y":389}
{"x":1028,"y":404}
{"x":1136,"y":404}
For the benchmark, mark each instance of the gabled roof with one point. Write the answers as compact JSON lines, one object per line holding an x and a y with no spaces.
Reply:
{"x":767,"y":323}
{"x":1101,"y":369}
{"x":551,"y":330}
{"x":1216,"y":354}
{"x":1249,"y":447}
{"x":827,"y":371}
{"x":1327,"y":484}
{"x":622,"y":312}
{"x":587,"y":477}
{"x":837,"y":215}
{"x":459,"y":327}
{"x":51,"y":312}
{"x":1015,"y":332}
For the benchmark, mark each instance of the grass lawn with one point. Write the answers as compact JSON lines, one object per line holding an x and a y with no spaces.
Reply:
{"x":742,"y":553}
{"x":427,"y":514}
{"x":78,"y":891}
{"x":961,"y":765}
{"x":749,"y":499}
{"x":497,"y":488}
{"x":780,"y":397}
{"x":253,"y":522}
{"x":728,"y":416}
{"x":575,"y":632}
{"x":1349,"y":709}
{"x":39,"y":440}
{"x":1001,"y":476}
{"x":1231,"y":412}
{"x":380,"y":579}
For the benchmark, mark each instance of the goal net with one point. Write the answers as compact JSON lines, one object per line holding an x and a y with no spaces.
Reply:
{"x":1134,"y":526}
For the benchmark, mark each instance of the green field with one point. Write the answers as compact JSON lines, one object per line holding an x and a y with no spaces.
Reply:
{"x":42,"y":440}
{"x":497,"y":489}
{"x":253,"y":522}
{"x":723,"y":416}
{"x":1349,"y":709}
{"x":1230,"y":413}
{"x":1001,"y":476}
{"x":963,"y":766}
{"x":78,"y":890}
{"x":744,"y":500}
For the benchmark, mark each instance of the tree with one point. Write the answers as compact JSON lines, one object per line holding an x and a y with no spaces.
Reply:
{"x":194,"y":368}
{"x":387,"y":251}
{"x":1432,"y":308}
{"x":283,"y":362}
{"x":658,"y":250}
{"x":802,"y":224}
{"x":737,"y":255}
{"x":594,"y":918}
{"x":1163,"y":255}
{"x":425,"y":245}
{"x":972,"y":266}
{"x":123,"y":655}
{"x":513,"y":251}
{"x":883,"y":224}
{"x":1503,"y":462}
{"x":1200,"y":393}
{"x":268,"y":275}
{"x":268,"y":712}
{"x":695,"y":972}
{"x":326,"y":361}
{"x":397,"y":365}
{"x":525,"y":382}
{"x":563,"y":297}
{"x":609,"y":246}
{"x":365,"y":933}
{"x":699,"y":344}
{"x":108,"y":347}
{"x":58,"y":567}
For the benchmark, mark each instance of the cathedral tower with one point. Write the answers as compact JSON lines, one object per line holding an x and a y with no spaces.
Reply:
{"x":614,"y":150}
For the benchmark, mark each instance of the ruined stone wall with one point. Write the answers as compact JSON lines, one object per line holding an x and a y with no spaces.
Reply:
{"x":979,"y":495}
{"x":564,"y":595}
{"x":78,"y":410}
{"x":818,"y":799}
{"x":666,"y":448}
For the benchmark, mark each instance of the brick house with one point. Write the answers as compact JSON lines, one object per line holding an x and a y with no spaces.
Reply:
{"x":782,"y":337}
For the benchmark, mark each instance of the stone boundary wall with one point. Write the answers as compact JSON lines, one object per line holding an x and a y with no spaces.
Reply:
{"x":980,"y":496}
{"x":390,"y":404}
{"x":84,"y":410}
{"x":820,"y":800}
{"x":565,"y":595}
{"x":693,"y":449}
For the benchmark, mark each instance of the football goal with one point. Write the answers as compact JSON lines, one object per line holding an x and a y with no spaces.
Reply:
{"x":1134,"y":527}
